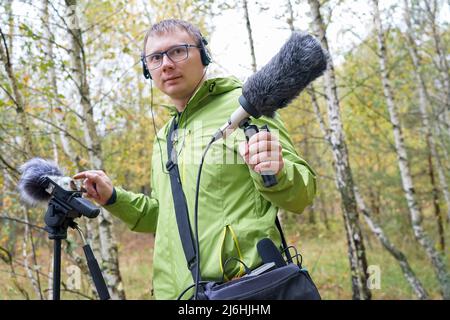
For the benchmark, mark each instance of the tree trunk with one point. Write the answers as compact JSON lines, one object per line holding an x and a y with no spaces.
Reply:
{"x":57,"y":114}
{"x":325,"y":131}
{"x":436,"y":206}
{"x":290,"y":18}
{"x":9,"y":12}
{"x":250,"y":36}
{"x":16,"y":96}
{"x":444,"y":70}
{"x":35,"y":280}
{"x":109,"y":251}
{"x":409,"y":274}
{"x":408,"y":187}
{"x":7,"y":257}
{"x":426,"y":127}
{"x":343,"y":174}
{"x":50,"y":278}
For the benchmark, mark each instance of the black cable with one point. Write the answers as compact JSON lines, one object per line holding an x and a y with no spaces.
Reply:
{"x":246,"y":268}
{"x":197,"y":245}
{"x":299,"y":263}
{"x":285,"y":251}
{"x":154,"y":126}
{"x":198,"y":180}
{"x":187,"y":289}
{"x":179,"y":119}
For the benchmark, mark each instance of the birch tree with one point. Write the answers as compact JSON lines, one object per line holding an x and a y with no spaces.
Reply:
{"x":250,"y":35}
{"x":343,"y":174}
{"x":424,"y":114}
{"x":405,"y":172}
{"x":16,"y":95}
{"x":109,"y":252}
{"x":432,"y":8}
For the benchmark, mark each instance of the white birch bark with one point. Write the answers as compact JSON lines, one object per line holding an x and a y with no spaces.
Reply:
{"x":444,"y":70}
{"x":408,"y":187}
{"x":26,"y":263}
{"x":16,"y":95}
{"x":57,"y":116}
{"x":108,"y":248}
{"x":423,"y":103}
{"x":343,"y":174}
{"x":250,"y":35}
{"x":409,"y":274}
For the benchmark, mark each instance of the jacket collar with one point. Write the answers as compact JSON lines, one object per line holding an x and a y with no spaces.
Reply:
{"x":210,"y":87}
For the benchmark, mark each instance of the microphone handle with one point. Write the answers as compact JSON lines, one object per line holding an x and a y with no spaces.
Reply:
{"x":269,"y":179}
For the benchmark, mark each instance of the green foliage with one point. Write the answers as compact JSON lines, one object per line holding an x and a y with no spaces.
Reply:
{"x":120,"y":98}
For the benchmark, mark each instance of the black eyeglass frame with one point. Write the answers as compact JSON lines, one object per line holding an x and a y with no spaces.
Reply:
{"x":187,"y":46}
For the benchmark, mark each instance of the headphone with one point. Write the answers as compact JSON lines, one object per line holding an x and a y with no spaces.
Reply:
{"x":204,"y":55}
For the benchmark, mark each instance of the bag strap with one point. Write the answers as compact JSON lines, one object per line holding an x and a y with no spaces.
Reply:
{"x":283,"y":240}
{"x":181,"y":209}
{"x":180,"y":205}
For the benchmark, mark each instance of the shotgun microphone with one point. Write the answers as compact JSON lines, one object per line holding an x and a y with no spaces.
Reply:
{"x":300,"y":61}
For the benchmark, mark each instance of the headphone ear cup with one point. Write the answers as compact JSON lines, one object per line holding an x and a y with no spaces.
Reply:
{"x":145,"y":71}
{"x":206,"y":59}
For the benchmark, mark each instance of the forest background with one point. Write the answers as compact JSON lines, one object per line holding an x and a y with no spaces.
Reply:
{"x":375,"y":128}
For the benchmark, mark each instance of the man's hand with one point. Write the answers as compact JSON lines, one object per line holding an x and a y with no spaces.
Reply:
{"x":263,"y":153}
{"x":97,"y":184}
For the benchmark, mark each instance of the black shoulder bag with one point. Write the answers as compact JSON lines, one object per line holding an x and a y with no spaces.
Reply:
{"x":274,"y":280}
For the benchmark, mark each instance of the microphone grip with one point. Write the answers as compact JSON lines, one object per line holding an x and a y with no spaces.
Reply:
{"x":268,"y":178}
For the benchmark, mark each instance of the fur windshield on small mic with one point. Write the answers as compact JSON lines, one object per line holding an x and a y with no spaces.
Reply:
{"x":30,"y":184}
{"x":301,"y":60}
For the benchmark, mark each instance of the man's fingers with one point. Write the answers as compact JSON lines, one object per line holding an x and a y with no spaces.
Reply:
{"x":80,"y":175}
{"x":84,"y":174}
{"x":92,"y":179}
{"x":262,"y":146}
{"x":243,"y":150}
{"x":265,"y":156}
{"x":99,"y":172}
{"x":260,"y":136}
{"x":269,"y":167}
{"x":90,"y":188}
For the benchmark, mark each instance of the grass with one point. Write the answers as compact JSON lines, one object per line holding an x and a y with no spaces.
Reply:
{"x":324,"y":255}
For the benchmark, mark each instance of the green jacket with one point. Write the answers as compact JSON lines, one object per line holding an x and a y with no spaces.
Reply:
{"x":235,"y":209}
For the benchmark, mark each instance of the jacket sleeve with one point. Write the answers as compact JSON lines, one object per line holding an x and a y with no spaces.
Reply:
{"x":296,"y":186}
{"x":138,"y":211}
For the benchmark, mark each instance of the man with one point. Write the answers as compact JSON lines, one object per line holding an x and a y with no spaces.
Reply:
{"x":236,"y":210}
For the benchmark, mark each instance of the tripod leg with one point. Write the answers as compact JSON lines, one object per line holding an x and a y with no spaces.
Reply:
{"x":96,"y":273}
{"x":56,"y":269}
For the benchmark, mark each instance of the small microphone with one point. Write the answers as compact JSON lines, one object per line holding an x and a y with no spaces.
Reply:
{"x":34,"y":187}
{"x":270,"y":253}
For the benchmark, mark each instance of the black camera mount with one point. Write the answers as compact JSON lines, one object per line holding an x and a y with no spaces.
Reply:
{"x":65,"y":206}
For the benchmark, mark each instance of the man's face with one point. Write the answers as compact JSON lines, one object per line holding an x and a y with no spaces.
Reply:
{"x":176,"y":79}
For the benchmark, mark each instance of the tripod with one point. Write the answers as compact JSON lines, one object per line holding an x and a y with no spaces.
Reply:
{"x":58,"y":218}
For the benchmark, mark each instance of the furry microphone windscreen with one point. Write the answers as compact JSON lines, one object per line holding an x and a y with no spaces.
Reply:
{"x":300,"y":61}
{"x":30,"y":185}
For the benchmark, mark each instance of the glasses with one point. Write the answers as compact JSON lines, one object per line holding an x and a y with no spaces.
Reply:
{"x":175,"y":54}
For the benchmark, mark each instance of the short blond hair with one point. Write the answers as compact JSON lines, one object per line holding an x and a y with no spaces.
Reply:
{"x":168,"y":25}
